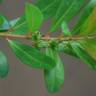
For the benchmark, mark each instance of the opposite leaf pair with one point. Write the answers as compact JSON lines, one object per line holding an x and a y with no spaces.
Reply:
{"x":51,"y":63}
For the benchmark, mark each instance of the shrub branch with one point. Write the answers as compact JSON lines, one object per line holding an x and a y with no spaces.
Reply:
{"x":12,"y":36}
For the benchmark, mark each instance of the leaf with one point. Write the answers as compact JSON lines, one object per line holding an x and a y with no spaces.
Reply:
{"x":90,"y":47}
{"x":65,"y":29}
{"x":54,"y":78}
{"x":48,"y":7}
{"x":19,"y":26}
{"x":67,"y":14}
{"x":4,"y":67}
{"x":1,"y":20}
{"x":85,"y":13}
{"x":31,"y":56}
{"x":83,"y":55}
{"x":89,"y":25}
{"x":14,"y":22}
{"x":34,"y":17}
{"x":67,"y":49}
{"x":4,"y":24}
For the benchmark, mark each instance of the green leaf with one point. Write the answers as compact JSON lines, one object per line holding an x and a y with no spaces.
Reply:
{"x":31,"y":56}
{"x":4,"y":24}
{"x":19,"y":26}
{"x":4,"y":67}
{"x":48,"y":7}
{"x":83,"y":16}
{"x":54,"y":78}
{"x":34,"y":17}
{"x":14,"y":22}
{"x":90,"y":47}
{"x":65,"y":29}
{"x":67,"y":49}
{"x":1,"y":20}
{"x":67,"y":13}
{"x":89,"y":25}
{"x":83,"y":55}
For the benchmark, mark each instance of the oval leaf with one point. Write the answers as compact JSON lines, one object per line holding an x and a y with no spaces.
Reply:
{"x":4,"y":67}
{"x":31,"y":56}
{"x":54,"y":78}
{"x":34,"y":17}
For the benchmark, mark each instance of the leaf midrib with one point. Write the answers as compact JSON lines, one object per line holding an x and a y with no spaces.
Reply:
{"x":62,"y":17}
{"x":45,"y":9}
{"x":28,"y":54}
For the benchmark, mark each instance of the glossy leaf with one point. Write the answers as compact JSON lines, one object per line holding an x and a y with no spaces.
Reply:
{"x":54,"y":78}
{"x":4,"y":67}
{"x":34,"y":17}
{"x":87,"y":10}
{"x":31,"y":56}
{"x":83,"y":55}
{"x":67,"y":14}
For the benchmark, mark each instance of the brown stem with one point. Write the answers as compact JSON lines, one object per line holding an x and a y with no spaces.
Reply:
{"x":70,"y":38}
{"x":11,"y":36}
